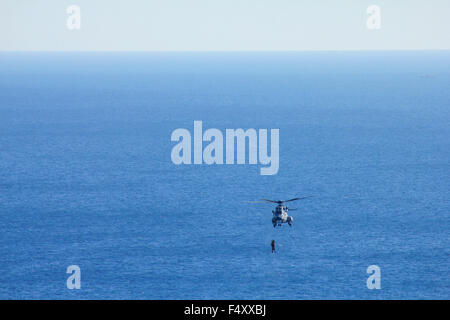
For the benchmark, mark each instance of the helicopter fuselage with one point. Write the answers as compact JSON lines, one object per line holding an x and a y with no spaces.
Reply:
{"x":280,"y":216}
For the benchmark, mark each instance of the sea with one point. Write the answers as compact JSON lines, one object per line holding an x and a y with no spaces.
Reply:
{"x":86,"y":176}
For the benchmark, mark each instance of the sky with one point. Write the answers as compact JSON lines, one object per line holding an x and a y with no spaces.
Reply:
{"x":224,"y":25}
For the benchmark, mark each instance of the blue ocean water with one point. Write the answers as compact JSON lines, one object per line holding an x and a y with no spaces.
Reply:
{"x":86,"y":177}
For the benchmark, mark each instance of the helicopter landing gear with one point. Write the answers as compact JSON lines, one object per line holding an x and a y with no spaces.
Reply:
{"x":289,"y":221}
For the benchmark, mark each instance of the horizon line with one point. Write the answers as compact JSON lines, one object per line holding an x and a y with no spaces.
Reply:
{"x":217,"y":51}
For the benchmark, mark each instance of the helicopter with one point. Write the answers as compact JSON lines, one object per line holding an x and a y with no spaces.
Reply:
{"x":280,"y":214}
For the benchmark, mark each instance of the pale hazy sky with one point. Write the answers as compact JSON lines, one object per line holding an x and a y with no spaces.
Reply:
{"x":203,"y":25}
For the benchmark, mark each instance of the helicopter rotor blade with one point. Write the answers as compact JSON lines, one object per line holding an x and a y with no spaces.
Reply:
{"x":254,"y":201}
{"x":283,"y":201}
{"x":297,"y":198}
{"x":274,"y":201}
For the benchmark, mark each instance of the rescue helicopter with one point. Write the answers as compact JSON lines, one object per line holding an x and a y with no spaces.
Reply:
{"x":280,"y":214}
